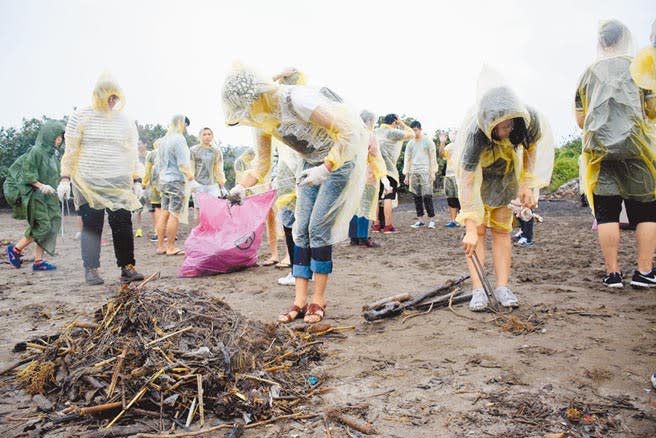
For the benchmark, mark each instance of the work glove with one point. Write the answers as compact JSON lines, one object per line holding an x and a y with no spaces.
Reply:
{"x":138,"y":190}
{"x":64,"y":190}
{"x":387,"y":187}
{"x":237,"y":194}
{"x":314,"y":176}
{"x":223,"y":192}
{"x":46,"y":189}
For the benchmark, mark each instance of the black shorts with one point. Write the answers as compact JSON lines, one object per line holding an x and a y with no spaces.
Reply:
{"x":153,"y":207}
{"x":608,"y":208}
{"x":394,"y":185}
{"x":453,"y":203}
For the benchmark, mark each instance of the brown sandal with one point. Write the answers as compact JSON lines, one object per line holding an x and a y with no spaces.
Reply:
{"x":287,"y":317}
{"x":315,"y":310}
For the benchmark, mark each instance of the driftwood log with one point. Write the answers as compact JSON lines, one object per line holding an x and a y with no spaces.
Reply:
{"x":393,"y":306}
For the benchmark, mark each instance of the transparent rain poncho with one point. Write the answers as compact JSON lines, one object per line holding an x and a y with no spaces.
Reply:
{"x":390,"y":142}
{"x":101,"y":152}
{"x":243,"y":163}
{"x":490,"y":172}
{"x":151,"y":173}
{"x":208,"y":164}
{"x":288,"y":168}
{"x":174,"y":164}
{"x":419,"y":163}
{"x":619,"y":152}
{"x":376,"y":170}
{"x":317,"y":125}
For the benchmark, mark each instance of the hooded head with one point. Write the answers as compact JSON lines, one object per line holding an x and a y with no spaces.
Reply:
{"x":614,"y":39}
{"x":499,"y":105}
{"x":241,"y":89}
{"x":368,"y":118}
{"x":178,"y":124}
{"x":48,"y":134}
{"x":105,"y":88}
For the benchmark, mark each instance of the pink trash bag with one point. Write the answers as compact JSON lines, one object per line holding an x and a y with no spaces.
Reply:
{"x":227,"y":237}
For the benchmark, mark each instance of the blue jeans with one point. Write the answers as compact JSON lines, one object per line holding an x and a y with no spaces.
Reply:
{"x":316,"y":213}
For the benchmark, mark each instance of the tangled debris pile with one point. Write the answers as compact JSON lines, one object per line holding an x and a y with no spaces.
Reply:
{"x":174,"y":355}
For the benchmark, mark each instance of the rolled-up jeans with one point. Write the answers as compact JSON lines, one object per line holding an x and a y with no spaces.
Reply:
{"x":317,"y":208}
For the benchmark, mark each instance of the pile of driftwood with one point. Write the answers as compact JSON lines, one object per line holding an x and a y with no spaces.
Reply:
{"x":174,"y":356}
{"x":442,"y":296}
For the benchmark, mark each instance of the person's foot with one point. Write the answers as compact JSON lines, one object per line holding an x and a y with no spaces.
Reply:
{"x":368,"y":243}
{"x":505,"y":297}
{"x":375,"y":228}
{"x":129,"y":274}
{"x":389,"y":229}
{"x":92,"y":277}
{"x":138,"y":233}
{"x":14,"y":256}
{"x":452,"y":224}
{"x":614,"y":280}
{"x":524,"y":243}
{"x":43,"y":265}
{"x":431,"y":225}
{"x":355,"y":241}
{"x":287,"y":280}
{"x":315,"y":313}
{"x":517,"y":236}
{"x":642,"y":281}
{"x":77,"y":235}
{"x":418,"y":224}
{"x":294,"y":312}
{"x":478,"y":300}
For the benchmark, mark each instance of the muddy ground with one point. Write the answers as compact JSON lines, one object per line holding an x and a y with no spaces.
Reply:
{"x":439,"y":374}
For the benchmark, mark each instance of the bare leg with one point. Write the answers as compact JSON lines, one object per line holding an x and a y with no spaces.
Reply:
{"x":155,"y":216}
{"x":387,"y":208}
{"x":38,"y":253}
{"x":609,"y":240}
{"x":171,"y":231}
{"x":319,"y":297}
{"x":480,"y":252}
{"x":501,"y":256}
{"x":646,"y":243}
{"x":23,"y":243}
{"x":300,"y":300}
{"x":161,"y":230}
{"x":453,"y":212}
{"x":271,"y":234}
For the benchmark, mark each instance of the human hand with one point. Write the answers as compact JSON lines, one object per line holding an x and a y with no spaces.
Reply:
{"x":314,"y":176}
{"x":469,"y":242}
{"x":237,"y":194}
{"x":46,"y":189}
{"x":432,"y":177}
{"x":526,"y":198}
{"x":64,"y":189}
{"x":406,"y":180}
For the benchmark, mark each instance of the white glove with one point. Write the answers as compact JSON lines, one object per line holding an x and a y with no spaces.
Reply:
{"x":223,"y":192}
{"x":46,"y":189}
{"x":64,"y":190}
{"x":314,"y":176}
{"x":138,"y":190}
{"x":237,"y":193}
{"x":387,"y":187}
{"x":193,"y":185}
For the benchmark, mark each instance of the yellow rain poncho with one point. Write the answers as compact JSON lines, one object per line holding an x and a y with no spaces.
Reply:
{"x":375,"y":171}
{"x":243,"y":163}
{"x":101,"y":155}
{"x":489,"y":172}
{"x":619,"y":149}
{"x":315,"y":123}
{"x":208,"y":164}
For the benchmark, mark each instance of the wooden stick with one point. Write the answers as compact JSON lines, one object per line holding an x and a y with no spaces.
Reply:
{"x":118,"y":431}
{"x":117,"y":371}
{"x":201,"y":408}
{"x":192,"y":411}
{"x":100,"y":408}
{"x":136,"y":398}
{"x":85,"y":325}
{"x":186,"y":329}
{"x":16,"y":364}
{"x":186,"y":434}
{"x":359,"y":425}
{"x":376,"y":304}
{"x":154,"y":276}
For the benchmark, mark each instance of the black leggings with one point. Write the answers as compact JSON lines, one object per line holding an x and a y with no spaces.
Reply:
{"x":527,"y":229}
{"x":120,"y":221}
{"x":289,"y":241}
{"x":421,"y":201}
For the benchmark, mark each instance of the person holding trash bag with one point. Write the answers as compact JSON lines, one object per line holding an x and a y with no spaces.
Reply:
{"x":101,"y":161}
{"x":619,"y":153}
{"x":29,"y":190}
{"x":332,"y":141}
{"x":505,"y":151}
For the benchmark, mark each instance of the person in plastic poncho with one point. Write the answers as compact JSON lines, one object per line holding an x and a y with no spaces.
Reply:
{"x":505,"y":151}
{"x":101,"y":161}
{"x":29,"y":189}
{"x":207,"y":162}
{"x":333,"y":143}
{"x":174,"y":162}
{"x":376,"y":171}
{"x":138,"y":187}
{"x":419,"y":168}
{"x":151,"y":182}
{"x":449,"y":153}
{"x":390,"y":136}
{"x":619,"y":153}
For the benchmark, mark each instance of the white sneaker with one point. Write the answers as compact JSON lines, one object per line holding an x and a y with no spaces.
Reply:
{"x":478,"y":301}
{"x":288,"y":280}
{"x":77,"y":236}
{"x":431,"y":224}
{"x":418,"y":224}
{"x":505,"y":297}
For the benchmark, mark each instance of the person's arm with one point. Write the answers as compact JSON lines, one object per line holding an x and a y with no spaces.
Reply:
{"x":580,"y":103}
{"x":432,"y":166}
{"x":408,"y":133}
{"x":341,"y":131}
{"x":72,"y":149}
{"x":261,"y":165}
{"x":219,"y":172}
{"x":148,"y":173}
{"x":183,"y":158}
{"x":407,"y":159}
{"x":375,"y":159}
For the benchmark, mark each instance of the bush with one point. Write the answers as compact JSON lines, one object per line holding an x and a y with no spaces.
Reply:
{"x":566,"y":165}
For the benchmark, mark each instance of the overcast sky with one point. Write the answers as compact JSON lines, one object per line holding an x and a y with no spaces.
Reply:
{"x":416,"y":58}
